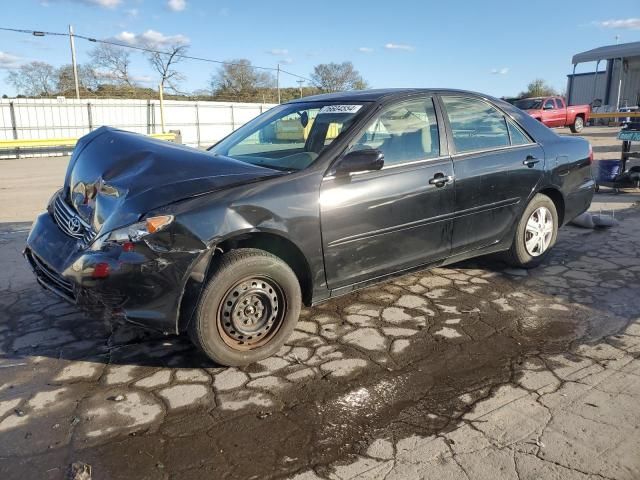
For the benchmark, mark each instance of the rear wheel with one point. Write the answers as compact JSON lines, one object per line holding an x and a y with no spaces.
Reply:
{"x":248,"y":308}
{"x":578,"y":125}
{"x":536,"y":233}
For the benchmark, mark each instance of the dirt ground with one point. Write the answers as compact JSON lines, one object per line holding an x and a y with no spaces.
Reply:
{"x":474,"y":372}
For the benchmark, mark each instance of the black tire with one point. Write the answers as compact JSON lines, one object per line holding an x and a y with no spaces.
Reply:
{"x":578,"y":125}
{"x":252,"y":277}
{"x":518,"y":255}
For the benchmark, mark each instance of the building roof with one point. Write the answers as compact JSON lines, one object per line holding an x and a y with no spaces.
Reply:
{"x":622,"y":50}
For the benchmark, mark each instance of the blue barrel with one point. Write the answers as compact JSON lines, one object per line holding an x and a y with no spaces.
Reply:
{"x":608,"y":170}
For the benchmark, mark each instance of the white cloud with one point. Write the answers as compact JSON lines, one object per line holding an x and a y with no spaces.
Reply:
{"x":626,"y":23}
{"x":152,"y":39}
{"x":500,"y":71}
{"x":8,"y":61}
{"x":94,"y":3}
{"x":399,"y":46}
{"x":365,"y":49}
{"x":286,"y":61}
{"x":278,"y":51}
{"x":142,"y":78}
{"x":177,"y":5}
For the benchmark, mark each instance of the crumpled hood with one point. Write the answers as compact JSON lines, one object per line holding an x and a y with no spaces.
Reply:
{"x":115,"y":176}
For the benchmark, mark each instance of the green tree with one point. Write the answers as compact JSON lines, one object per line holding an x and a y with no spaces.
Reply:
{"x":238,"y":79}
{"x":87,"y":79}
{"x":337,"y":77}
{"x":538,"y":88}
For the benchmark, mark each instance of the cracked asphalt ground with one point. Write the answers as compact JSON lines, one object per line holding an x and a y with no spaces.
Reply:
{"x":473,"y":371}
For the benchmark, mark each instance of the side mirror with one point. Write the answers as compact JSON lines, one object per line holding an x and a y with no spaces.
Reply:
{"x":360,"y":161}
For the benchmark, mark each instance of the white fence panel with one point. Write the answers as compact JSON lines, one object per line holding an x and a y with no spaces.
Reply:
{"x":200,"y":123}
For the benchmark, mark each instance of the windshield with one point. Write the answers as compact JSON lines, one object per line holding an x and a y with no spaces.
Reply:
{"x":529,"y":104}
{"x":289,"y":137}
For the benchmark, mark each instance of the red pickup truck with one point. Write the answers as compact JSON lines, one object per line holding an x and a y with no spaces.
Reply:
{"x":553,"y":112}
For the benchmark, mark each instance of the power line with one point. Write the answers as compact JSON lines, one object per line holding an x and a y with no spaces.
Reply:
{"x":41,"y":33}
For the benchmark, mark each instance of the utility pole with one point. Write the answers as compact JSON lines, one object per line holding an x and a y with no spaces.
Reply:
{"x":161,"y":91}
{"x":278,"y":83}
{"x":73,"y":61}
{"x":300,"y":82}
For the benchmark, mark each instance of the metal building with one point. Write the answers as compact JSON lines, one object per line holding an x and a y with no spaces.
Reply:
{"x":617,"y":86}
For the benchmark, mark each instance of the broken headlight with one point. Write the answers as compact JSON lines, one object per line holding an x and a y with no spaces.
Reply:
{"x":134,"y":232}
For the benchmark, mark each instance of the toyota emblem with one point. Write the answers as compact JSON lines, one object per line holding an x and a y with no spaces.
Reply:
{"x":74,"y":225}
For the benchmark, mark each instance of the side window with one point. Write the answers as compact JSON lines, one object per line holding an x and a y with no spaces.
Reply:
{"x":549,"y":104}
{"x":559,"y":103}
{"x":404,"y":133}
{"x":517,"y":136}
{"x":475,"y":124}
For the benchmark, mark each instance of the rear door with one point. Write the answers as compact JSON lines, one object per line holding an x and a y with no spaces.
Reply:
{"x":378,"y":222}
{"x":496,"y":167}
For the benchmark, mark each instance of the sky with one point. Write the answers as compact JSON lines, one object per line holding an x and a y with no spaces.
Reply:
{"x":493,"y":46}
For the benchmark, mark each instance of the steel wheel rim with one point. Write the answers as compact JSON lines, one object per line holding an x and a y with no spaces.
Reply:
{"x":538,"y":232}
{"x":251,"y":313}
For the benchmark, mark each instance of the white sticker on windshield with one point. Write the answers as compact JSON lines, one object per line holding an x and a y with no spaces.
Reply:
{"x":339,"y":109}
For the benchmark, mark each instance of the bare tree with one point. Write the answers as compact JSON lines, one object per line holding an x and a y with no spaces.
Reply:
{"x":115,"y":61}
{"x":238,"y":78}
{"x":538,"y":88}
{"x":336,"y":77}
{"x":164,"y":63}
{"x":34,"y":79}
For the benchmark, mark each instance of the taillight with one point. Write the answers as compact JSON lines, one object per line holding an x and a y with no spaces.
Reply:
{"x":590,"y":155}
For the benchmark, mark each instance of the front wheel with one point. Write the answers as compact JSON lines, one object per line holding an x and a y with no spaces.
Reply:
{"x":248,"y":309}
{"x":536,"y":233}
{"x":578,"y":125}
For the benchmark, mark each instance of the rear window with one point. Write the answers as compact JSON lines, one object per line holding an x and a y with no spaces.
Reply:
{"x":528,"y":104}
{"x":475,"y":124}
{"x":517,"y":136}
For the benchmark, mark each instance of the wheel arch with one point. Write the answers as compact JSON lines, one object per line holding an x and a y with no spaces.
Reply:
{"x":274,"y":243}
{"x":278,"y":245}
{"x":558,"y":200}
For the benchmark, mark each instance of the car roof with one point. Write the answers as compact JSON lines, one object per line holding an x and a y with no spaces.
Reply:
{"x":374,"y":95}
{"x":540,"y":98}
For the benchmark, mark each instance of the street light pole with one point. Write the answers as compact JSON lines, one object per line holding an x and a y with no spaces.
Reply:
{"x":73,"y":61}
{"x":300,"y":82}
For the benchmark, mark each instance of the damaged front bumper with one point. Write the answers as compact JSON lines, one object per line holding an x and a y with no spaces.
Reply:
{"x":142,"y":285}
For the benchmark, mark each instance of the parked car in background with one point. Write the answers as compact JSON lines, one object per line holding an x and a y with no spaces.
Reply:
{"x":227,"y":244}
{"x":553,"y":112}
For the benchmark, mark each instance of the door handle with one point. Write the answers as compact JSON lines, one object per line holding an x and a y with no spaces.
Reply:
{"x":440,"y":180}
{"x":530,"y":161}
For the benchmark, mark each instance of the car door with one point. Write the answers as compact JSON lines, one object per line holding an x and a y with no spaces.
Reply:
{"x":550,"y":113}
{"x":561,"y":113}
{"x":378,"y":222}
{"x":496,"y":167}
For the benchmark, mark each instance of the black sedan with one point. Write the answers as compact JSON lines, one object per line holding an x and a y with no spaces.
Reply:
{"x":311,"y":200}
